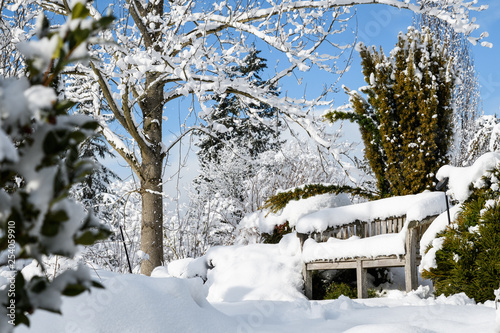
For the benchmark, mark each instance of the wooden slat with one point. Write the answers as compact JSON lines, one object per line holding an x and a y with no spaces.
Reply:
{"x":386,"y":261}
{"x":411,"y":277}
{"x":389,"y":262}
{"x":308,"y":285}
{"x":331,"y":265}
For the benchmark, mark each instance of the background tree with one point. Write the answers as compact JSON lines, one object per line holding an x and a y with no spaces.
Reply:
{"x":229,"y":155}
{"x":485,"y":138}
{"x":16,"y":26}
{"x":165,"y":51}
{"x":233,"y":118}
{"x":406,"y":121}
{"x":466,"y":92}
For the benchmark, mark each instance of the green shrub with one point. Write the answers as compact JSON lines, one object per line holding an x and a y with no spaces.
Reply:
{"x":278,"y":233}
{"x":469,"y":259}
{"x":279,"y":201}
{"x":336,"y":289}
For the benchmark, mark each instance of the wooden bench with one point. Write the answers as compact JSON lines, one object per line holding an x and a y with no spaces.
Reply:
{"x":409,"y":260}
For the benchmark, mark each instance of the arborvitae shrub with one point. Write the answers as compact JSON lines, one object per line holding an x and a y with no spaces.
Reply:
{"x":469,"y":259}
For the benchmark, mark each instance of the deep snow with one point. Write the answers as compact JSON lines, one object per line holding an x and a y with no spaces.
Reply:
{"x":258,"y":288}
{"x":251,"y":288}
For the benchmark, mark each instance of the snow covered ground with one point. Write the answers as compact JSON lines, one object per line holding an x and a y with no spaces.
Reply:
{"x":253,"y":288}
{"x":258,"y":288}
{"x":133,"y":303}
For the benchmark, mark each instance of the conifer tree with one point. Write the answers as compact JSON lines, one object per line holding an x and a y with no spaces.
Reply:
{"x":466,"y":94}
{"x":234,"y":114}
{"x":406,"y":120}
{"x":230,"y":158}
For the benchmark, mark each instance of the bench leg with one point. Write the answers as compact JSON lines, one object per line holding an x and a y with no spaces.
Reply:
{"x":361,"y":279}
{"x":308,"y":285}
{"x":411,"y":273}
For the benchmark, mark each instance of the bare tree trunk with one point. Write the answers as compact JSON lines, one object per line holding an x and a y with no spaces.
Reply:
{"x":152,"y":183}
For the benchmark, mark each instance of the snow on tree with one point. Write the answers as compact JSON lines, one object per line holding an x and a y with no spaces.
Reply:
{"x":39,"y":162}
{"x":93,"y":190}
{"x":233,"y":118}
{"x":166,"y":51}
{"x":466,"y":92}
{"x":121,"y":213}
{"x":229,"y":158}
{"x":16,"y":26}
{"x":406,"y":120}
{"x":485,"y":138}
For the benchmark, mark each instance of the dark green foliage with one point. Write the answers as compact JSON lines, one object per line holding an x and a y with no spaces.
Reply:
{"x":241,"y":118}
{"x":405,"y":122}
{"x":335,"y":290}
{"x":280,"y":200}
{"x":332,"y":284}
{"x":469,"y":259}
{"x":37,"y":217}
{"x":278,"y":233}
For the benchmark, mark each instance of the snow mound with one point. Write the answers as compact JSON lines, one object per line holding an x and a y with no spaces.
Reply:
{"x":248,"y":272}
{"x":293,"y":211}
{"x":387,"y":328}
{"x":497,"y":305}
{"x":461,"y":178}
{"x":135,"y":303}
{"x":415,"y":207}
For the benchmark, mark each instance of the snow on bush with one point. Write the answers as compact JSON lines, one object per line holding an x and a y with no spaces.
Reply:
{"x":467,"y":259}
{"x":463,"y":179}
{"x":39,"y":162}
{"x":246,"y":272}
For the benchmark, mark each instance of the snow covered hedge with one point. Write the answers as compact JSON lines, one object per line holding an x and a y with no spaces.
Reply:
{"x":39,"y":162}
{"x":467,"y":253}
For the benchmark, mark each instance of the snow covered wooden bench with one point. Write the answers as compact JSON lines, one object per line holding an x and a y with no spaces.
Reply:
{"x":382,"y":233}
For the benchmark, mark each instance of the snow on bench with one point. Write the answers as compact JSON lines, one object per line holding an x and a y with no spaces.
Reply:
{"x":381,"y":233}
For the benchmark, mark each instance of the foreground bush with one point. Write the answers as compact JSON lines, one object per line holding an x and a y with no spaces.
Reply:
{"x":469,"y":258}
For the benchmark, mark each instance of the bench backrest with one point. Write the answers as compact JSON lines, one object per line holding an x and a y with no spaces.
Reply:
{"x":368,"y":229}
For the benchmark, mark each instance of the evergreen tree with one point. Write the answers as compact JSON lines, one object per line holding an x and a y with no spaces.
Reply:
{"x":228,"y":160}
{"x":92,"y":190}
{"x":232,"y":119}
{"x":466,"y":93}
{"x":97,"y":185}
{"x":405,"y":122}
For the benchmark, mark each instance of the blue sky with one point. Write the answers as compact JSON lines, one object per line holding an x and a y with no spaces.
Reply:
{"x":380,"y":25}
